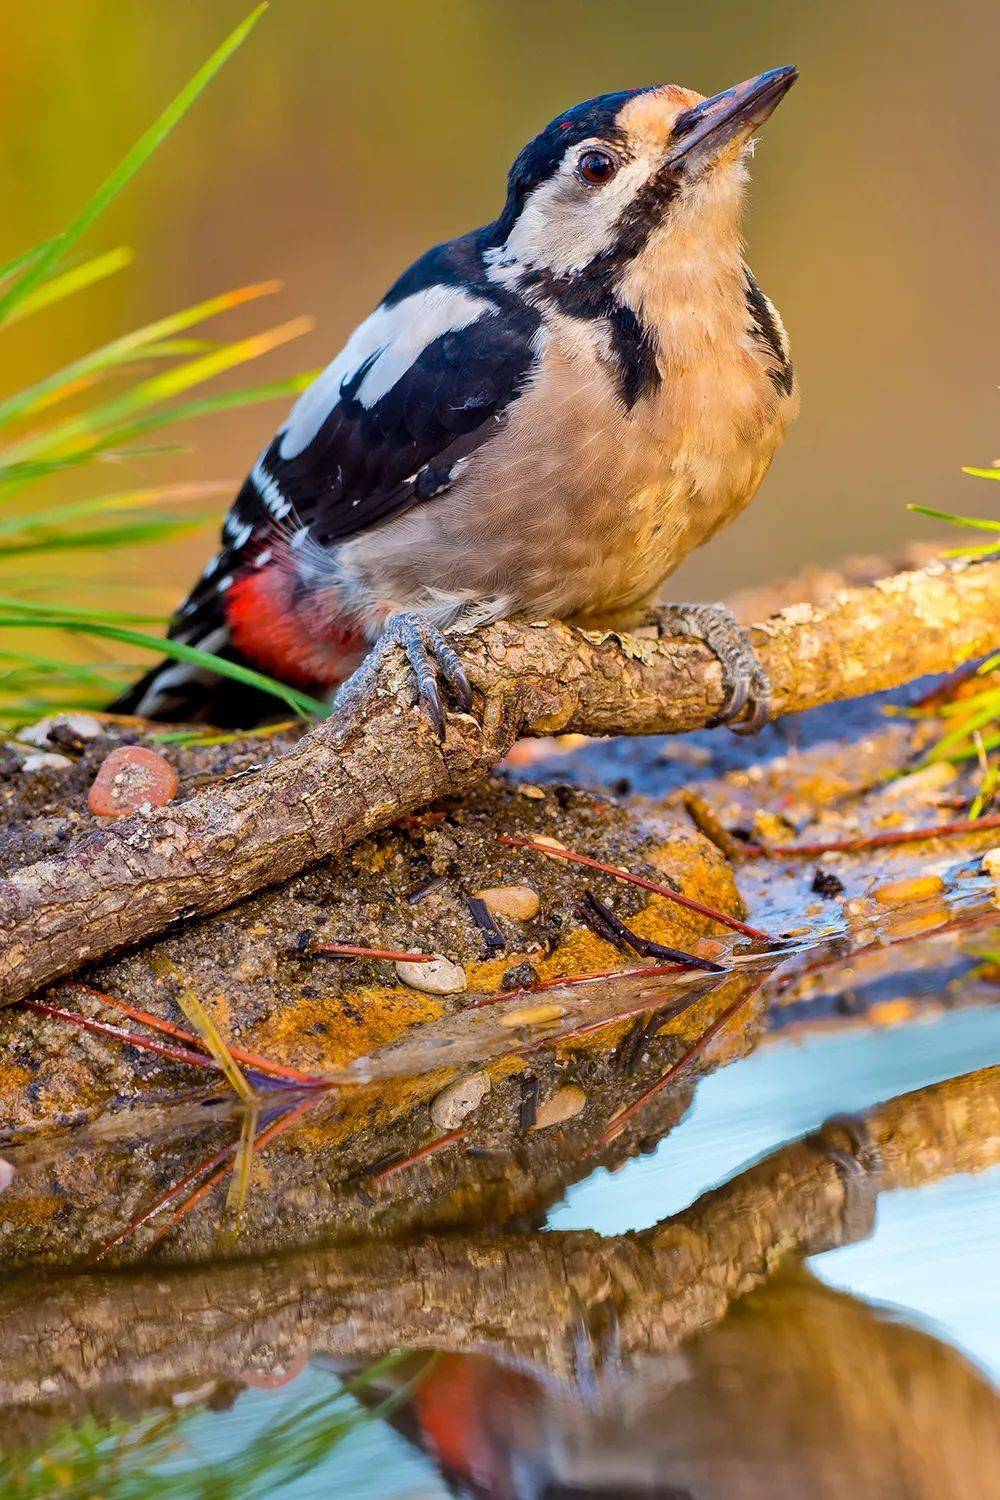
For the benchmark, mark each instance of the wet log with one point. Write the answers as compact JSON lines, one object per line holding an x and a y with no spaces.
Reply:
{"x":359,"y":772}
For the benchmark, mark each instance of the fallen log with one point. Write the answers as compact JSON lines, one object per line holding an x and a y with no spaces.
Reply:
{"x":359,"y":772}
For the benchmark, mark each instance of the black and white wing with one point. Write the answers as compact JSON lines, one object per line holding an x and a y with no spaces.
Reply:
{"x":426,"y":380}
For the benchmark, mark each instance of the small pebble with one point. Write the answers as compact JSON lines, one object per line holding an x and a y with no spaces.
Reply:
{"x":991,"y":863}
{"x":899,"y":892}
{"x":827,"y":884}
{"x":47,"y":760}
{"x":548,"y":842}
{"x":519,"y":976}
{"x":921,"y":783}
{"x":7,"y":1174}
{"x":532,"y":1015}
{"x":439,"y":977}
{"x":532,"y":792}
{"x":129,"y":778}
{"x":517,"y":901}
{"x":83,"y":726}
{"x":560,"y":1106}
{"x":459,"y":1099}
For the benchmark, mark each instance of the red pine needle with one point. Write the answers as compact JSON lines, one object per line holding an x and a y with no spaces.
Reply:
{"x":353,"y":950}
{"x":143,"y":1043}
{"x":216,"y":1159}
{"x":421,"y":1155}
{"x":648,"y":885}
{"x":649,"y":971}
{"x":620,"y":1121}
{"x":291,"y":1117}
{"x":883,"y":840}
{"x":592,"y":1026}
{"x":250,"y":1059}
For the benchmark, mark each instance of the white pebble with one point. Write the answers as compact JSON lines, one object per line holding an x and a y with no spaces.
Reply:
{"x":439,"y":977}
{"x":84,"y":726}
{"x":459,"y":1099}
{"x":45,"y":761}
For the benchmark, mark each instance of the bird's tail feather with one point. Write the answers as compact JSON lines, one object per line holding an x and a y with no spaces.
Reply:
{"x":183,"y":692}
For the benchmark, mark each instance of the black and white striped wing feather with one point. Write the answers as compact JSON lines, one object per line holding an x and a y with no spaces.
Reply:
{"x":420,"y":385}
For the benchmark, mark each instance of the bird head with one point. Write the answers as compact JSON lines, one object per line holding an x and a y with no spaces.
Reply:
{"x":590,"y":192}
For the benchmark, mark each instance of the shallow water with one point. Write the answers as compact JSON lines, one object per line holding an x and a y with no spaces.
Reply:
{"x":932,"y":1257}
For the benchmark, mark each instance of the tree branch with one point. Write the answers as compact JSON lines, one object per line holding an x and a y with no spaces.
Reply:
{"x":358,"y":773}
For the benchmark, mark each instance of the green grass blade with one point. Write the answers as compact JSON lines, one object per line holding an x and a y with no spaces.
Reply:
{"x":75,"y":280}
{"x":39,"y":269}
{"x":74,"y":431}
{"x":983,"y":473}
{"x":984,"y":551}
{"x":18,"y":262}
{"x":976,"y":523}
{"x":300,"y":703}
{"x":30,"y":608}
{"x":204,"y":407}
{"x":21,"y":403}
{"x":74,"y":510}
{"x":103,"y":538}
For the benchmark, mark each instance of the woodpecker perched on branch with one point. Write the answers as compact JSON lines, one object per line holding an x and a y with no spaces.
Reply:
{"x":543,"y":416}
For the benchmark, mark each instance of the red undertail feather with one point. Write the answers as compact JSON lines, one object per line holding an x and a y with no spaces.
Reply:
{"x":270,"y":633}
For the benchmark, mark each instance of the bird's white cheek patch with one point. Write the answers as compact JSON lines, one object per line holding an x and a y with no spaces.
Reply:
{"x":563,"y":225}
{"x":393,"y":338}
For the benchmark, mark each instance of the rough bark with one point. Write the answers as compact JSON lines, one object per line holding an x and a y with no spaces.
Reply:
{"x":520,"y":1297}
{"x":359,"y":772}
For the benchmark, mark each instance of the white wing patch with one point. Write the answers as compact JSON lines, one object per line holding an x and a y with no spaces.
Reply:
{"x":393,"y":338}
{"x":269,"y":491}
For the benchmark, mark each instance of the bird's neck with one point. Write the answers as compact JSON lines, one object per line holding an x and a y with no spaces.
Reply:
{"x":687,"y":286}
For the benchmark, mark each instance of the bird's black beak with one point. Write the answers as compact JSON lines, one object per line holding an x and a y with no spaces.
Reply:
{"x":702,"y":134}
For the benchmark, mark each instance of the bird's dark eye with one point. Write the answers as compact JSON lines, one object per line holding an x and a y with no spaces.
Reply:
{"x":597,"y":167}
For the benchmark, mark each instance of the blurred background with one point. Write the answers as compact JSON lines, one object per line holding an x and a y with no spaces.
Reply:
{"x":343,"y":139}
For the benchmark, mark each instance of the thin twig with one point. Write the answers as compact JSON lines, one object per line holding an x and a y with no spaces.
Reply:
{"x":603,"y":921}
{"x":622,"y":1119}
{"x":649,"y":885}
{"x":264,"y":1065}
{"x":420,"y":1155}
{"x":354,"y":950}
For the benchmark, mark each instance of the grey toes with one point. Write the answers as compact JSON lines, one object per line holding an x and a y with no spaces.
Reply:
{"x":429,"y":654}
{"x":745,"y":684}
{"x":451,"y":668}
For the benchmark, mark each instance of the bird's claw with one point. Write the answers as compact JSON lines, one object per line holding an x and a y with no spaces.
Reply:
{"x":429,"y":656}
{"x":746,"y":685}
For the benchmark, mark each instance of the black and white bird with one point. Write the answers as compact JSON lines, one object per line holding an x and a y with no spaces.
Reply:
{"x":543,"y":416}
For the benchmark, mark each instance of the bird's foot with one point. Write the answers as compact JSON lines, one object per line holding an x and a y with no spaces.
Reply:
{"x":428,"y":654}
{"x":745,"y":683}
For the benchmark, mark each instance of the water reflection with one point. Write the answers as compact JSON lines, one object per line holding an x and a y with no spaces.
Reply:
{"x":800,"y":1391}
{"x":696,"y":1358}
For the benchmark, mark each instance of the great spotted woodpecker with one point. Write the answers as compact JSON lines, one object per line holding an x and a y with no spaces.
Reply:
{"x":543,"y":416}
